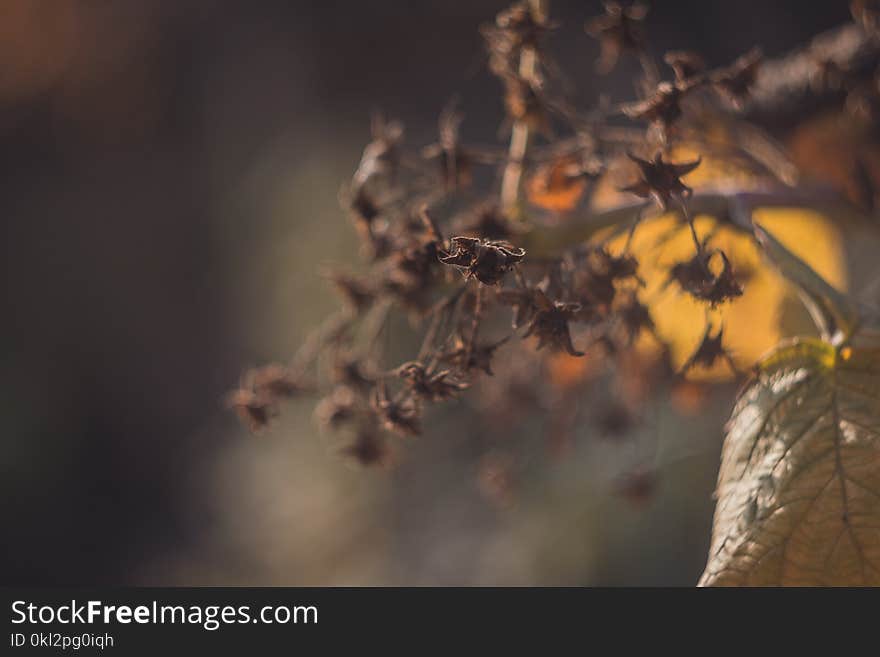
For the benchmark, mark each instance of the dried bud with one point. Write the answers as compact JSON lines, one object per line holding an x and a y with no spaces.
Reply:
{"x":517,"y":27}
{"x":351,"y":371}
{"x":368,"y":449}
{"x":455,"y":162}
{"x":661,"y":180}
{"x":709,"y":351}
{"x":524,"y":25}
{"x":684,"y":64}
{"x":274,"y":382}
{"x":486,"y":260}
{"x":827,"y":74}
{"x":634,"y":318}
{"x":364,"y":208}
{"x":357,"y":292}
{"x":381,"y":156}
{"x":550,"y":323}
{"x":594,"y":274}
{"x":695,"y":277}
{"x":402,"y":416}
{"x":619,"y":30}
{"x":735,"y":81}
{"x":409,"y":271}
{"x":663,"y":107}
{"x":429,"y":385}
{"x":337,"y":408}
{"x":476,"y":357}
{"x":254,"y":410}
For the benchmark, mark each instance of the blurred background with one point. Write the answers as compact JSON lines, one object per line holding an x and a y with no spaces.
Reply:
{"x":170,"y":173}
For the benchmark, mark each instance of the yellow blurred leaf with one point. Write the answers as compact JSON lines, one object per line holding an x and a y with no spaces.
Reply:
{"x":752,"y":321}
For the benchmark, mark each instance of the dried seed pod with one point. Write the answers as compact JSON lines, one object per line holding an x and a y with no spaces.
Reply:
{"x":735,"y":82}
{"x":661,"y":180}
{"x":465,"y":357}
{"x":368,"y":448}
{"x":550,"y":323}
{"x":431,"y":385}
{"x":486,"y":260}
{"x":401,"y":416}
{"x":695,"y":277}
{"x":594,"y":274}
{"x":663,"y":107}
{"x":709,"y":351}
{"x":617,"y":268}
{"x":634,"y":318}
{"x":409,"y":271}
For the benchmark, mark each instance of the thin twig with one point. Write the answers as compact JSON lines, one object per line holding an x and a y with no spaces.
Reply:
{"x":475,"y":322}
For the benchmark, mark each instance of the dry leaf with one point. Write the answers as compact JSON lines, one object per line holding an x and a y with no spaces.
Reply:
{"x":799,"y":487}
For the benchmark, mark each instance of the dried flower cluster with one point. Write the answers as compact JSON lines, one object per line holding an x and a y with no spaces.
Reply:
{"x":465,"y":264}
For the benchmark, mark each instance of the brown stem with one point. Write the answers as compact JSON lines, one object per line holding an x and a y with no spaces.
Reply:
{"x":731,"y":207}
{"x":475,"y":322}
{"x":519,"y":136}
{"x":784,"y":89}
{"x":690,"y":223}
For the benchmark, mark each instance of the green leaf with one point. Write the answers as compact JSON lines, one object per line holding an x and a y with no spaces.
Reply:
{"x":799,"y":487}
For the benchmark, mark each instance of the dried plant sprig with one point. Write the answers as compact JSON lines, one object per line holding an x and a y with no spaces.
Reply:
{"x":425,"y":223}
{"x":485,"y":260}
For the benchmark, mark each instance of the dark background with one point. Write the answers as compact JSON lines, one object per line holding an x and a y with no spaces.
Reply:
{"x":168,"y":191}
